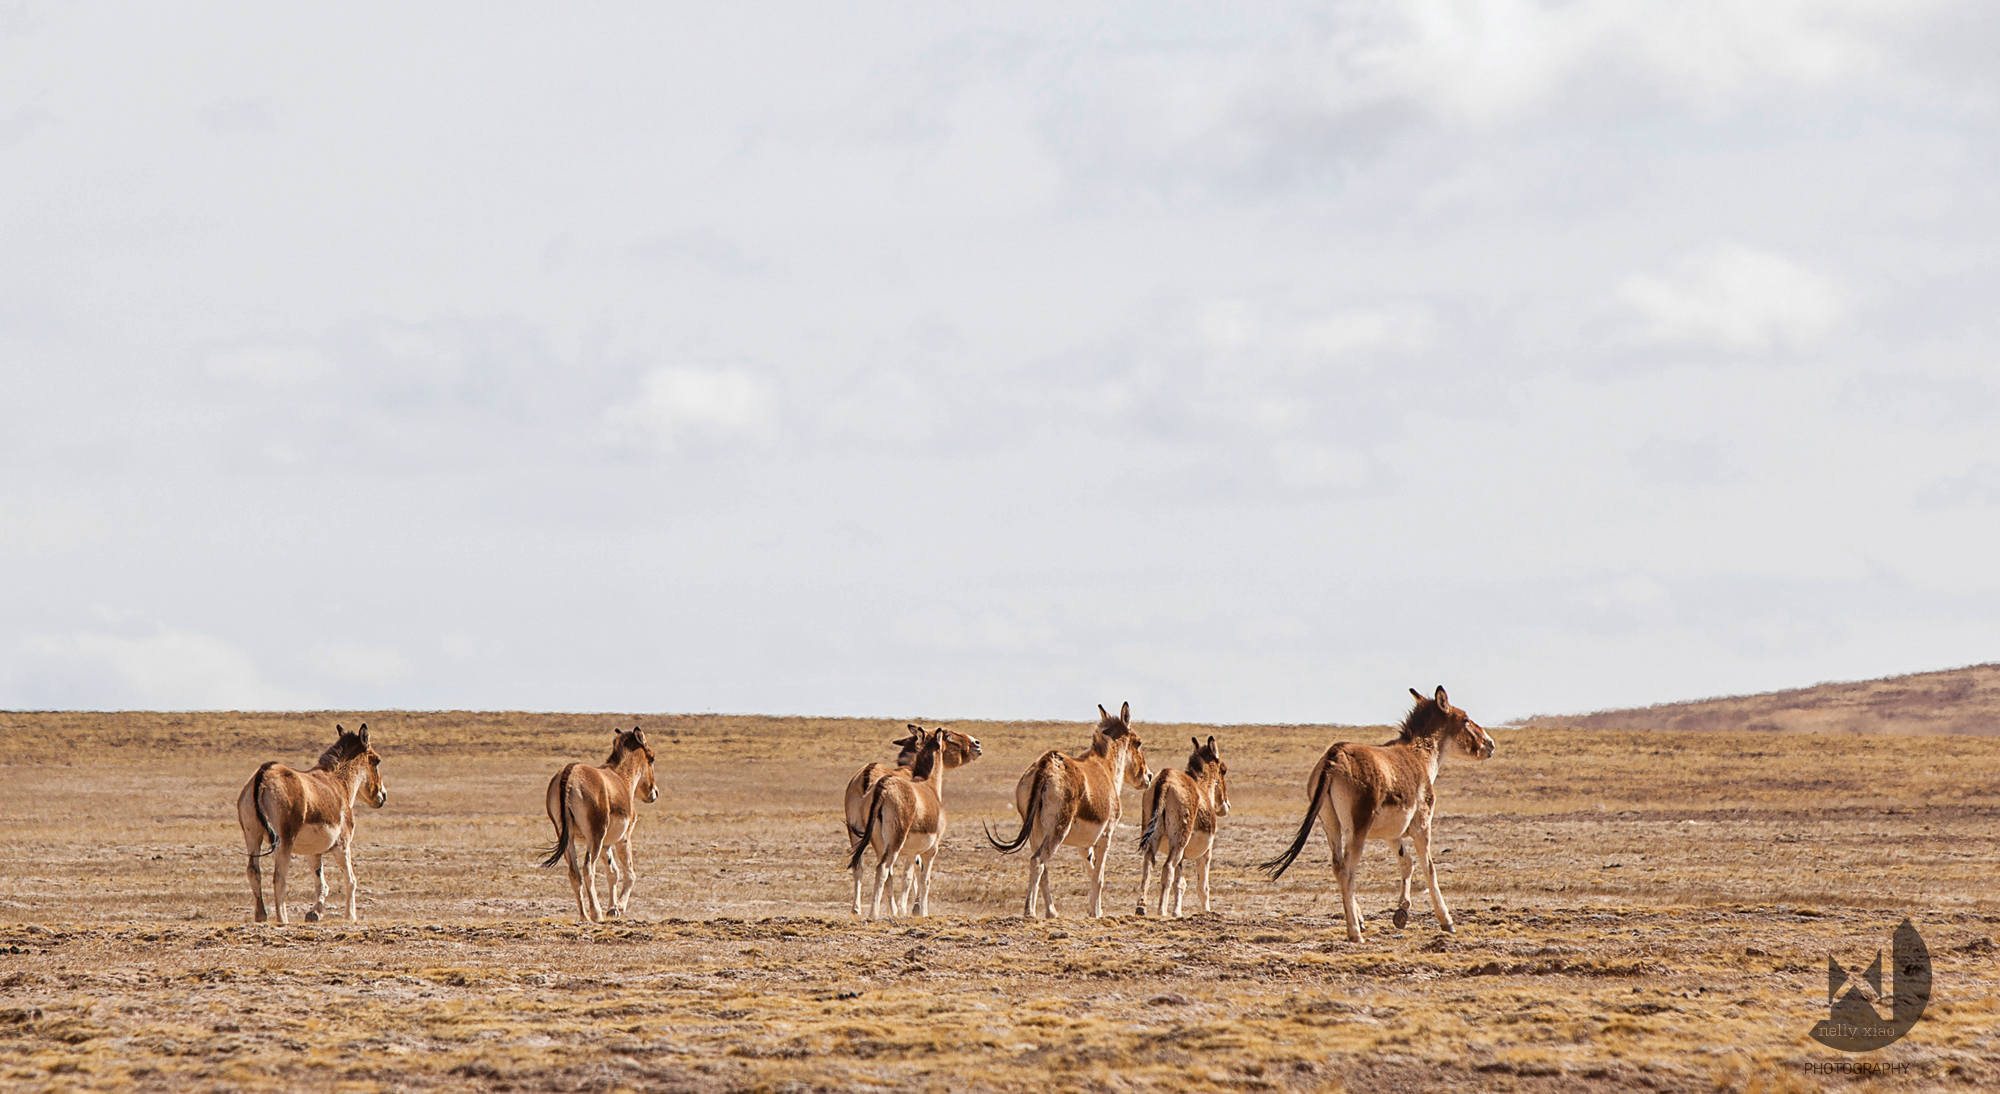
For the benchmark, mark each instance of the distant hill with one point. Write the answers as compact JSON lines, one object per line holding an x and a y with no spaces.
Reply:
{"x":1963,"y":701}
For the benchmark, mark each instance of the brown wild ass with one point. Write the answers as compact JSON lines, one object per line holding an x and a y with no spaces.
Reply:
{"x":906,"y":821}
{"x":959,"y":749}
{"x":1385,"y":792}
{"x":1182,"y":808}
{"x":594,"y":814}
{"x":1072,"y":801}
{"x":308,"y":813}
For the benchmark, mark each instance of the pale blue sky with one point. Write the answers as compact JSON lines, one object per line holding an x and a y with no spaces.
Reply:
{"x":995,"y":362}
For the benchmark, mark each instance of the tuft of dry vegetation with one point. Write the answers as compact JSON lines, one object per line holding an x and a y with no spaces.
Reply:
{"x":1640,"y":911}
{"x":1953,"y":701}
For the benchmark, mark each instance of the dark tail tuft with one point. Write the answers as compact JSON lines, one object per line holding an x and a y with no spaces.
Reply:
{"x":1277,"y":866}
{"x":555,"y":853}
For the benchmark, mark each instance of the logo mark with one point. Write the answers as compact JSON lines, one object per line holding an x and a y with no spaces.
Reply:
{"x":1853,"y":1024}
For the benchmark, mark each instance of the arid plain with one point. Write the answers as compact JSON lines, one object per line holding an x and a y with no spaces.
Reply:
{"x":1639,"y":910}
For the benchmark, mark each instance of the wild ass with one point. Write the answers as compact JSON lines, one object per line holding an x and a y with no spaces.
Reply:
{"x":959,"y":749}
{"x":906,"y":821}
{"x":1182,"y":808}
{"x":594,"y":814}
{"x":1385,"y":792}
{"x":308,"y":813}
{"x":1072,"y":801}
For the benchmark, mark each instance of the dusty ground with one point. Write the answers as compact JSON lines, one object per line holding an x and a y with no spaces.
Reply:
{"x":1639,"y":911}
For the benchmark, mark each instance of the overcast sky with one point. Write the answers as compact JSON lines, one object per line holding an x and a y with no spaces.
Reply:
{"x":1248,"y":363}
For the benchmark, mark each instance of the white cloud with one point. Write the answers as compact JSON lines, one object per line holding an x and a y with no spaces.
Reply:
{"x":1404,"y":329}
{"x":1491,"y":59}
{"x":1734,"y":297}
{"x":359,"y":664}
{"x":688,"y":405}
{"x":1314,"y":467}
{"x":167,"y":670}
{"x":268,"y":366}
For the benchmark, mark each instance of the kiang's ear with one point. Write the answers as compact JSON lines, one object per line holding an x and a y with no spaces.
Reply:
{"x":1103,"y":715}
{"x":638,"y":736}
{"x":1441,"y":699}
{"x":1196,"y":741}
{"x":1211,"y":746}
{"x":1417,"y":695}
{"x":913,"y":728}
{"x":362,"y":733}
{"x":338,"y":731}
{"x":1125,"y":713}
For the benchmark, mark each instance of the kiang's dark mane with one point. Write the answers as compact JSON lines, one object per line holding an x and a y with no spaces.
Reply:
{"x":346,"y":748}
{"x":928,"y":755}
{"x":620,"y":747}
{"x":1420,"y":722}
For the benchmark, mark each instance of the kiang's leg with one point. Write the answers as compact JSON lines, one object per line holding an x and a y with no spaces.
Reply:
{"x":631,"y":877}
{"x":347,"y":872}
{"x":923,"y":884}
{"x":319,"y":899}
{"x":614,"y":878}
{"x":573,"y":857}
{"x":1405,"y":862}
{"x":1099,"y":852}
{"x":1423,"y":842}
{"x":281,"y":862}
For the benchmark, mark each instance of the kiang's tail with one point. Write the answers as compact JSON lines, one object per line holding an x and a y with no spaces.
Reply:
{"x":861,"y":833}
{"x":1149,"y":836}
{"x":1035,"y":796}
{"x":1065,"y":818}
{"x":874,"y":814}
{"x":257,"y":803}
{"x":1277,"y":866}
{"x":555,"y":852}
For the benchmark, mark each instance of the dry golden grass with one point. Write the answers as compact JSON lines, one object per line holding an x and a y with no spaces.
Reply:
{"x":1642,"y":911}
{"x":1963,"y":700}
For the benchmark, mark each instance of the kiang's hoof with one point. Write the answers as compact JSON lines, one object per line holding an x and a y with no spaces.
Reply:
{"x":312,"y":917}
{"x":1140,"y":910}
{"x":1402,"y":917}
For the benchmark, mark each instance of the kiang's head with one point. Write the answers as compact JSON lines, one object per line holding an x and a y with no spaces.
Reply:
{"x":930,"y":755}
{"x":959,"y":748}
{"x":1116,"y":729}
{"x":1206,"y":758}
{"x":629,"y":744}
{"x":1435,"y":716}
{"x":353,"y":748}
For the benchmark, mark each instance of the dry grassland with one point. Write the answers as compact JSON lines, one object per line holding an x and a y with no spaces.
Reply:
{"x":1639,"y":911}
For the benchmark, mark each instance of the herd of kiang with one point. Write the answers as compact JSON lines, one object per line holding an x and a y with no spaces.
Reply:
{"x":897,"y":812}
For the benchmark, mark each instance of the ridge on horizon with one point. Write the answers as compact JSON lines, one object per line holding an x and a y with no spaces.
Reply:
{"x":1963,"y":700}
